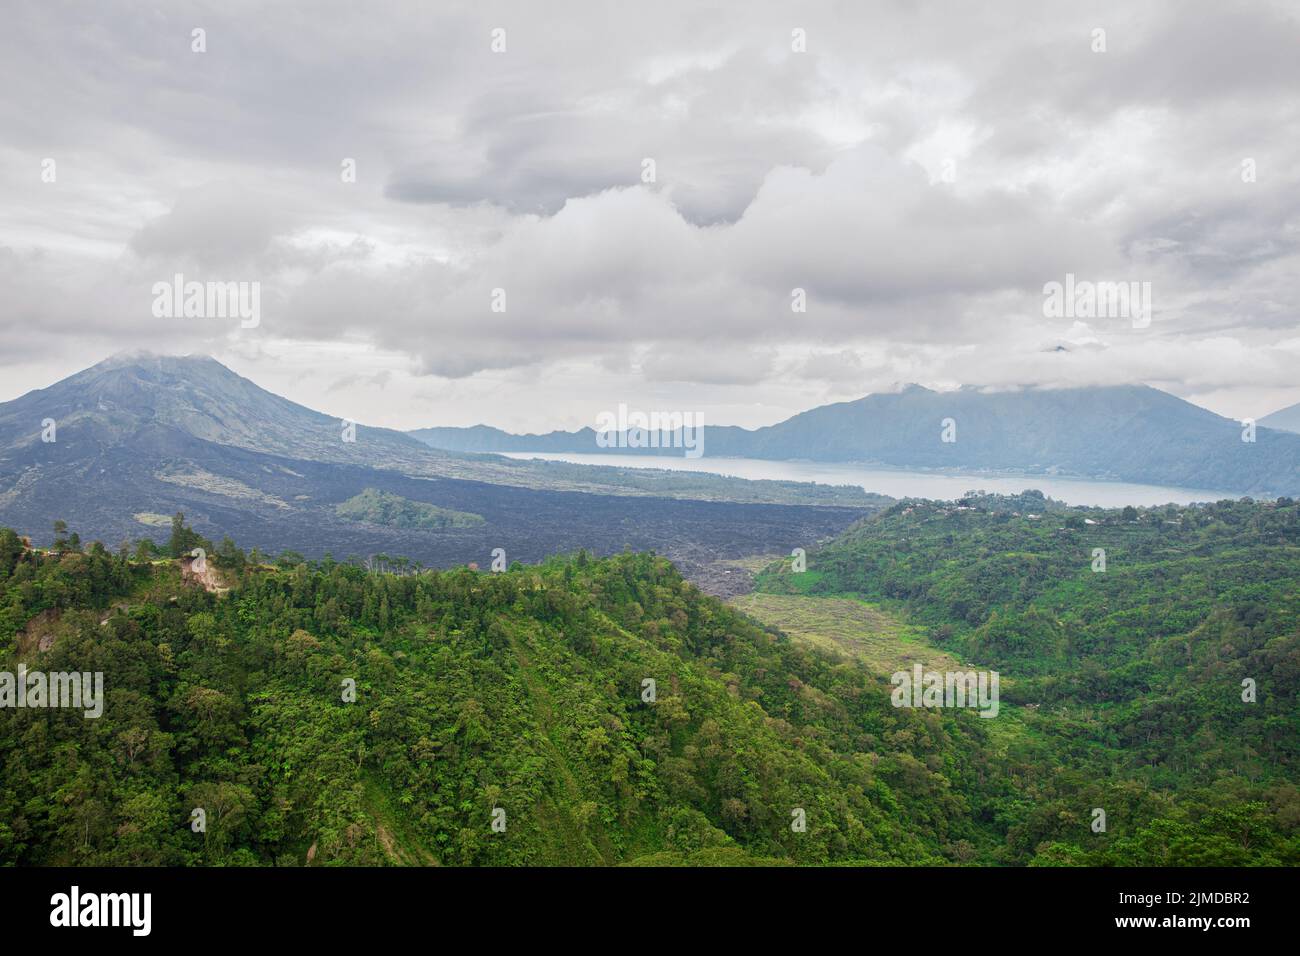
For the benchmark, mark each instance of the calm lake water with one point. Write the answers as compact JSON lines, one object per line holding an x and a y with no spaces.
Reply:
{"x":903,"y":484}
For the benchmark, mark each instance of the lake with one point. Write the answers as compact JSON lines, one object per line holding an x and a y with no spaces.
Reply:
{"x":897,"y":483}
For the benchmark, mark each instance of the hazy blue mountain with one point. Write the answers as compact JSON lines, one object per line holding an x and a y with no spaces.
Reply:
{"x":1284,"y":419}
{"x":1125,"y":433}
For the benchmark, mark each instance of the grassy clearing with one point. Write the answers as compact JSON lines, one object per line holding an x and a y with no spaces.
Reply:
{"x":849,"y":626}
{"x":153,"y":519}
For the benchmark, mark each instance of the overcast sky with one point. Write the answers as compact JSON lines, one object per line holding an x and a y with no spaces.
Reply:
{"x":920,"y":170}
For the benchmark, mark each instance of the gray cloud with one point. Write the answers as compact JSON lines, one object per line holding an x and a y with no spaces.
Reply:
{"x":921,"y":171}
{"x":218,"y":224}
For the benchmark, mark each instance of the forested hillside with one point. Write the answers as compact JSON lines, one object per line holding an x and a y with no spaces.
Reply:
{"x":521,"y":691}
{"x":521,"y":698}
{"x":1127,"y":640}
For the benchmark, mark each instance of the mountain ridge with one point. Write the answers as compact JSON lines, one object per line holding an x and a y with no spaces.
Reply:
{"x":199,"y":395}
{"x":156,"y":435}
{"x":1133,"y":433}
{"x":195,"y":396}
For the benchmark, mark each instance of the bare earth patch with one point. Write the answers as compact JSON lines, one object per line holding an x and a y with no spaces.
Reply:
{"x":39,"y":633}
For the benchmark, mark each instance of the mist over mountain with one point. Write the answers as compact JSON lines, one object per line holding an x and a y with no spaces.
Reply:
{"x":1131,"y":433}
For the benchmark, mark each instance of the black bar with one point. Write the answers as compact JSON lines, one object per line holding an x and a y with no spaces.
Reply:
{"x":548,"y":906}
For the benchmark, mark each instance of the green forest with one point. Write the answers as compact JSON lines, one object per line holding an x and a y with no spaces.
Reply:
{"x":598,"y":711}
{"x":394,"y":511}
{"x":1123,"y":638}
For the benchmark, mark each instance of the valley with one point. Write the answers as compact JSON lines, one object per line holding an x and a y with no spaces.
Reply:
{"x":516,"y":685}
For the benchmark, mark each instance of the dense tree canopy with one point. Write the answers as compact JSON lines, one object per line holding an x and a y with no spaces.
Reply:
{"x":1127,"y":676}
{"x":322,"y":712}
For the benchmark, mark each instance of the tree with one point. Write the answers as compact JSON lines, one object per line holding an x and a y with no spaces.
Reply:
{"x":183,"y":539}
{"x":11,"y":550}
{"x":228,"y":555}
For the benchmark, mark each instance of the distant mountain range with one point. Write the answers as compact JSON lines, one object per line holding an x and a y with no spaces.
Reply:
{"x":118,"y":448}
{"x":1128,"y":433}
{"x":148,"y":404}
{"x":139,"y":437}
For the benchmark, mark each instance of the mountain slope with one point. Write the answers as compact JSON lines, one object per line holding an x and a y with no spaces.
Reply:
{"x":141,"y":437}
{"x":196,"y":396}
{"x":139,"y":404}
{"x":1124,"y":433}
{"x":521,"y":692}
{"x":1161,"y":684}
{"x":1284,"y":419}
{"x":521,"y":698}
